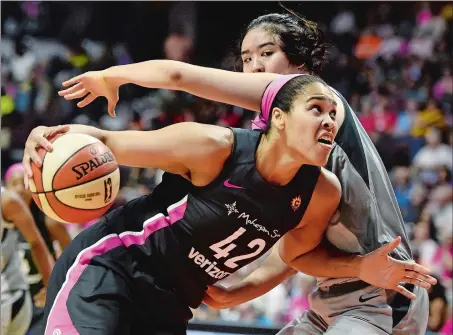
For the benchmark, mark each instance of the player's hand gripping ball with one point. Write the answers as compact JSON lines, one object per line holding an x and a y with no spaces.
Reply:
{"x":78,"y":181}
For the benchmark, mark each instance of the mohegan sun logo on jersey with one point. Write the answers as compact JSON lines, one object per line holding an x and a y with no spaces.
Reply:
{"x":295,"y":203}
{"x":232,"y":209}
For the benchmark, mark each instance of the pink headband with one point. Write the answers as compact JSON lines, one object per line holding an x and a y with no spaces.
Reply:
{"x":12,"y":169}
{"x":262,"y":120}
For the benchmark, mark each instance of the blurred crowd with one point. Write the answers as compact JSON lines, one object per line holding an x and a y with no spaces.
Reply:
{"x":394,"y":69}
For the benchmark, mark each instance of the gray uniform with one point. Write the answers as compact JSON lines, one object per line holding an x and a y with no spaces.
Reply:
{"x":370,"y":217}
{"x":16,"y":304}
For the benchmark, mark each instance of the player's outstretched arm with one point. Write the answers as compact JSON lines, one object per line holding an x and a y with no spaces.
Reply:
{"x":17,"y":212}
{"x":187,"y":148}
{"x":240,"y":89}
{"x":376,"y":268}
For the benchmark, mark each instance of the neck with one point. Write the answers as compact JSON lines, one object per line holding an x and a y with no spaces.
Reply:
{"x":276,"y":164}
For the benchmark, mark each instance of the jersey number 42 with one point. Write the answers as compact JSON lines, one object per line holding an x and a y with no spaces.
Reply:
{"x":224,"y":247}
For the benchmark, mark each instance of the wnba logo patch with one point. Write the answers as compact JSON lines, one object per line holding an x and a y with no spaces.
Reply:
{"x":295,"y":203}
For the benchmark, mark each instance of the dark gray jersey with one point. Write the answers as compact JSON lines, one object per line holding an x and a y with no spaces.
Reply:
{"x":370,"y":216}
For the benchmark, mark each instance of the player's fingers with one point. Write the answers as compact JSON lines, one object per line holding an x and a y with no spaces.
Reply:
{"x":421,"y":276}
{"x":88,"y":99}
{"x":76,"y":95}
{"x":405,"y":292}
{"x":33,"y":154}
{"x":387,"y":248}
{"x":73,"y":80}
{"x":417,"y":268}
{"x":417,"y":282}
{"x":58,"y":130}
{"x":44,"y":143}
{"x":111,"y":107}
{"x":27,"y":168}
{"x":71,"y":89}
{"x":26,"y":181}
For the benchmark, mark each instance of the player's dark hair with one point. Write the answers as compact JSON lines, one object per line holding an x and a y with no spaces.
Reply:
{"x":292,"y":89}
{"x":301,"y":39}
{"x":289,"y":92}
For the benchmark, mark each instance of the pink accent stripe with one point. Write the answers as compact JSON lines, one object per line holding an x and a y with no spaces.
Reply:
{"x":262,"y":120}
{"x":59,"y":321}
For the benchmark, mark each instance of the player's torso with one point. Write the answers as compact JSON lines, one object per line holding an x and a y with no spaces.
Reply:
{"x":224,"y":229}
{"x":239,"y":216}
{"x":228,"y":223}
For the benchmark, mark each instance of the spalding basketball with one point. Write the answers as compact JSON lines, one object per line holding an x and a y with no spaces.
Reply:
{"x":78,"y":181}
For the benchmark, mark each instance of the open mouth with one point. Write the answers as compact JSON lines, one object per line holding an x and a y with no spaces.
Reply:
{"x":325,"y":141}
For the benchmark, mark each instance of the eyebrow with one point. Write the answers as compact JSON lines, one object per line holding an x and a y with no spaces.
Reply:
{"x":259,"y":47}
{"x":322,"y":97}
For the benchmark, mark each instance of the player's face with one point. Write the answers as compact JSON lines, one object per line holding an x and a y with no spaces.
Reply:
{"x":311,"y":126}
{"x":261,"y":52}
{"x":16,"y":183}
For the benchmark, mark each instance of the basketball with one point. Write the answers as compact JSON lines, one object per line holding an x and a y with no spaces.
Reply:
{"x":78,"y":181}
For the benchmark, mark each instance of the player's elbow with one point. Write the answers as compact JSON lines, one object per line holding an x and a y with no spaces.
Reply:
{"x":176,"y":75}
{"x":176,"y":78}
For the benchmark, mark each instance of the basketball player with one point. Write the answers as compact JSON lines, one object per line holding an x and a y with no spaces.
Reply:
{"x":50,"y":230}
{"x":229,"y":196}
{"x":16,"y":303}
{"x":369,"y":215}
{"x":288,"y":43}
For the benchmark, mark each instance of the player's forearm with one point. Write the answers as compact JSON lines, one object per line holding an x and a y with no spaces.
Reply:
{"x":256,"y":285}
{"x":240,"y":89}
{"x":328,"y":261}
{"x":271,"y":273}
{"x":100,"y":134}
{"x":43,"y":260}
{"x":58,"y":232}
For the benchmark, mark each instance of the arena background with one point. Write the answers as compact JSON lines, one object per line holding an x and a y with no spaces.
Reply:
{"x":391,"y":60}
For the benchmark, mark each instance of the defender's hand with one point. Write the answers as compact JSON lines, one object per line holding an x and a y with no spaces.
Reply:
{"x":381,"y":270}
{"x":89,"y":86}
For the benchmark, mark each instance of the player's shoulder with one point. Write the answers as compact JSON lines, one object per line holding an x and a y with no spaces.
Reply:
{"x":210,"y":138}
{"x":328,"y":185}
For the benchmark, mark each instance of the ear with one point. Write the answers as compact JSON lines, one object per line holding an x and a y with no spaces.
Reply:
{"x":278,"y":118}
{"x":302,"y":68}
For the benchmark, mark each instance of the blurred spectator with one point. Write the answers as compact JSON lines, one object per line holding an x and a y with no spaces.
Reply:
{"x":299,"y":296}
{"x":402,"y":187}
{"x":368,"y":45}
{"x":439,"y":310}
{"x":423,"y":246}
{"x":429,"y":117}
{"x":443,"y":88}
{"x":178,"y":47}
{"x":434,"y":154}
